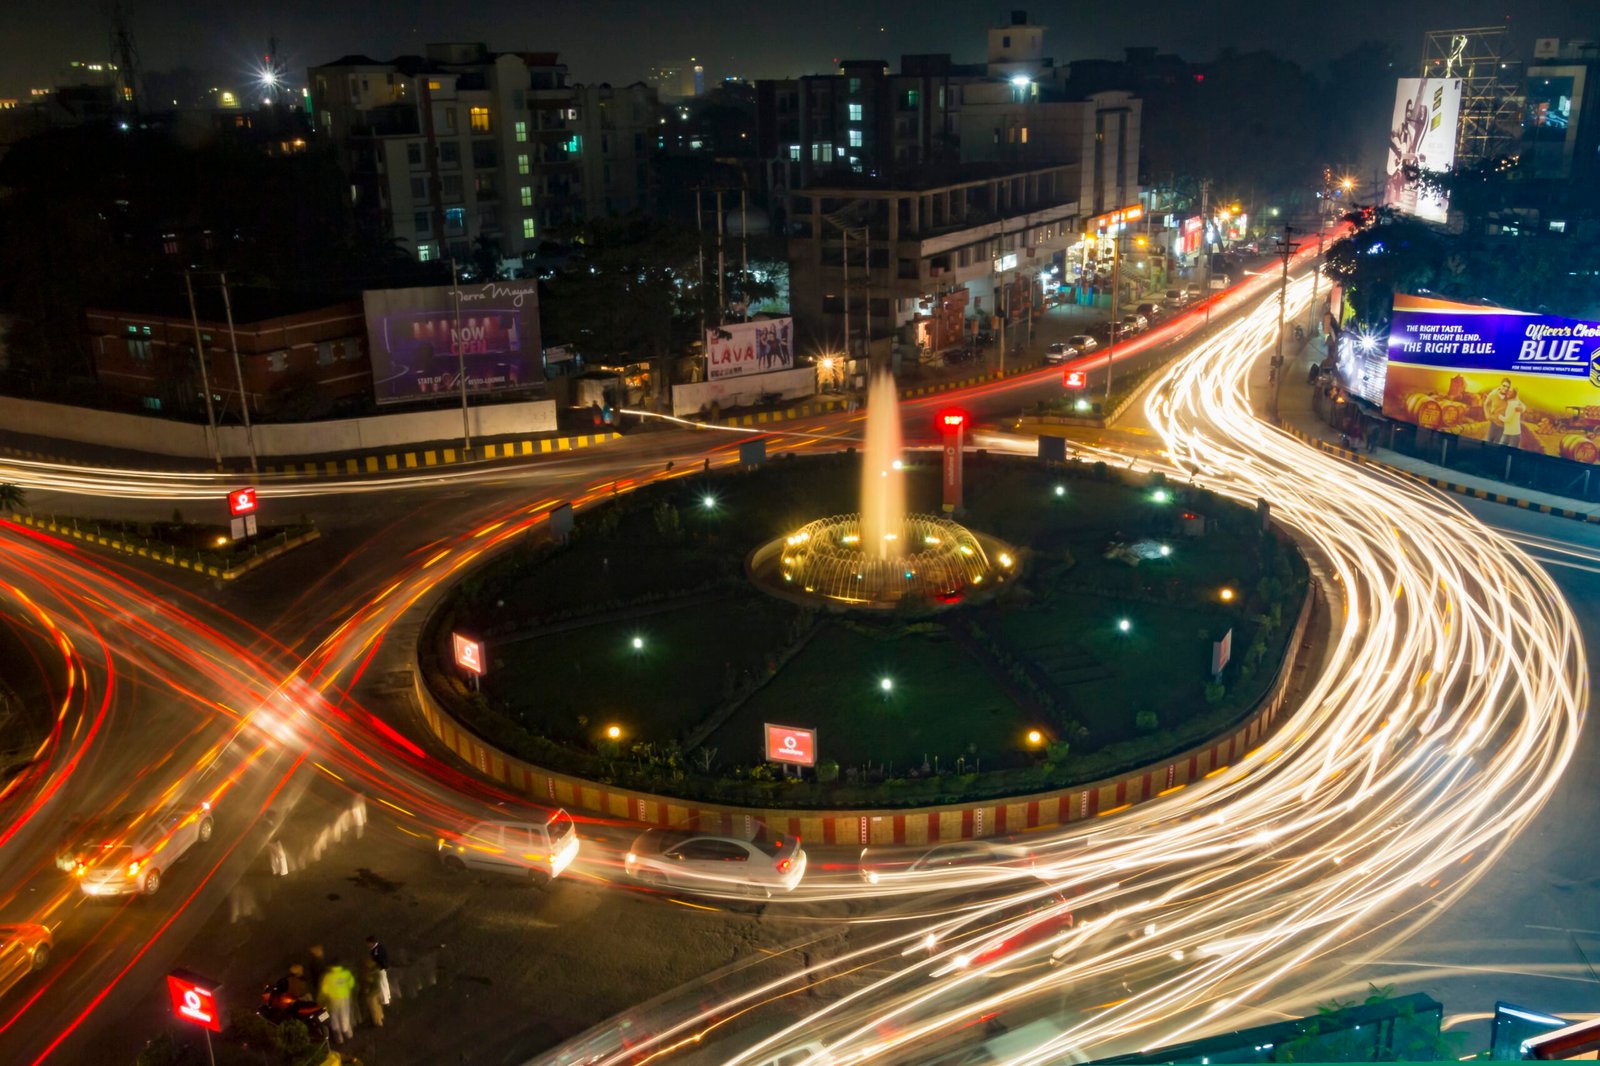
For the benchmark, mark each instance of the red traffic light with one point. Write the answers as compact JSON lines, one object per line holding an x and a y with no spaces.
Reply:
{"x":952,"y":420}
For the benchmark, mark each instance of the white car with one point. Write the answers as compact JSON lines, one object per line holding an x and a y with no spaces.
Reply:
{"x":706,"y":862}
{"x":130,"y":855}
{"x":885,"y":866}
{"x":538,"y":851}
{"x":1083,"y":342}
{"x":1058,"y":352}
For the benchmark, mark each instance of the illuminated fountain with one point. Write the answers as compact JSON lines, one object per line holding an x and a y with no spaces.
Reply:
{"x":881,"y":555}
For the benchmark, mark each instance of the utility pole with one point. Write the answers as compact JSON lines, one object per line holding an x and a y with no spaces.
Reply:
{"x":1316,"y":276}
{"x":744,"y":250}
{"x":460,"y":344}
{"x":1283,"y":297}
{"x":1116,"y":291}
{"x":205,"y":377}
{"x":238,"y":372}
{"x":700,"y":264}
{"x":1205,"y":244}
{"x":722,"y":272}
{"x":844,"y":258}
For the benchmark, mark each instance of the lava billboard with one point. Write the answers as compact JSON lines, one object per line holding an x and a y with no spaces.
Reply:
{"x":1422,"y":134}
{"x":1513,"y":378}
{"x":420,"y":341}
{"x":739,"y":349}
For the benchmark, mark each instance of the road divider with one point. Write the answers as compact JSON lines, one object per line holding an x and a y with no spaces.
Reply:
{"x":421,"y":458}
{"x":166,"y":554}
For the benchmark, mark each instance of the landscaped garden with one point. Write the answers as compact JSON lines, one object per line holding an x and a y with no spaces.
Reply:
{"x":639,"y":653}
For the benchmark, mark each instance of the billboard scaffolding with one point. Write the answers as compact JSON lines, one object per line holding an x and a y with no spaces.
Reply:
{"x":1484,"y":58}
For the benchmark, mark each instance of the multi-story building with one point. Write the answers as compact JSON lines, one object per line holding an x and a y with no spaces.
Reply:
{"x":1561,"y":129}
{"x":618,"y":127}
{"x":677,"y":81}
{"x":461,"y":149}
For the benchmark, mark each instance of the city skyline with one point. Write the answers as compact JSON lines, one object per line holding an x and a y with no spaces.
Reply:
{"x":729,"y":39}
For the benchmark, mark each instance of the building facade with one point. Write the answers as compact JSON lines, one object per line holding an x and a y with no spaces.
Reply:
{"x":461,"y":151}
{"x":299,"y":359}
{"x":618,"y":131}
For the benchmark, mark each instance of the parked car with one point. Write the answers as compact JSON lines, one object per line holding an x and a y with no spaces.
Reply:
{"x":24,"y":949}
{"x":890,"y":866}
{"x":1194,"y":291}
{"x":1132,"y":324}
{"x":684,"y":858}
{"x":1177,"y":297}
{"x":130,"y":855}
{"x":537,"y":851}
{"x":1150,"y":311}
{"x":1058,"y":352}
{"x":1083,"y":342}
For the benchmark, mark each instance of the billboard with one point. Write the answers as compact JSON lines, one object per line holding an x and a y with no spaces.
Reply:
{"x":1550,"y":120}
{"x":468,"y":653}
{"x":1422,"y":134}
{"x":1513,"y":378}
{"x":417,"y":353}
{"x":739,"y":349}
{"x":791,"y":745}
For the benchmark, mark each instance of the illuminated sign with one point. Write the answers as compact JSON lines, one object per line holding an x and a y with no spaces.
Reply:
{"x":469,"y":654}
{"x":788,"y":744}
{"x":241,"y":502}
{"x":1131,"y":213}
{"x":952,"y":420}
{"x":194,"y":999}
{"x":1075,"y":379}
{"x":1005,"y":262}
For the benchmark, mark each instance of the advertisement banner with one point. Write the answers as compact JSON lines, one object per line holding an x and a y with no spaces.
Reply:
{"x":1422,"y":134}
{"x":1550,"y":120}
{"x":469,"y":654}
{"x":417,"y":353}
{"x":795,"y":746}
{"x":1513,"y":378}
{"x":742,"y":348}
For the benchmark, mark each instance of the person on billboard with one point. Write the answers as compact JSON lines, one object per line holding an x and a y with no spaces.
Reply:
{"x":1511,"y":428}
{"x":1494,"y":409}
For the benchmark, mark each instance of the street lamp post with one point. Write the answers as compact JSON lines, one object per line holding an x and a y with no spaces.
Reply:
{"x":1116,"y":292}
{"x":460,"y":345}
{"x":244,"y":398}
{"x":205,"y":377}
{"x":1283,"y":297}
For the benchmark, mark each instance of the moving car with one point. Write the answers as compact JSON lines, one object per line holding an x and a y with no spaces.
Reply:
{"x":1083,"y":342}
{"x":890,"y":866}
{"x":1004,"y":936}
{"x":24,"y":949}
{"x":537,"y":851}
{"x":1057,"y":352}
{"x":131,"y":854}
{"x":759,"y":865}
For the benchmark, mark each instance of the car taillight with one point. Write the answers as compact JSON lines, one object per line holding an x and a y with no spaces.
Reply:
{"x":783,"y":865}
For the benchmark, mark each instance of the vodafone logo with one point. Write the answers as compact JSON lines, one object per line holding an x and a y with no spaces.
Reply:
{"x":788,"y":744}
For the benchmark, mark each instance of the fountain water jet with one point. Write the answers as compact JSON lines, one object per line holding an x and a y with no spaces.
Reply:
{"x":881,"y":556}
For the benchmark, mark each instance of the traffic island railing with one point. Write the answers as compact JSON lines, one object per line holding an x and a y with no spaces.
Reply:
{"x":923,"y":825}
{"x":223,"y":568}
{"x":423,"y":458}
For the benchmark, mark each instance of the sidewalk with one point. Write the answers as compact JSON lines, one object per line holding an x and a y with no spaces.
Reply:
{"x":1297,"y":417}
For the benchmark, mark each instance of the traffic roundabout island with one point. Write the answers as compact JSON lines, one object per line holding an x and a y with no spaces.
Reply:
{"x":660,"y":648}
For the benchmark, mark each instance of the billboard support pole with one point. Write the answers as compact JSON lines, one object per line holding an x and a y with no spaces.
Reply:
{"x":244,"y":399}
{"x":205,"y":378}
{"x":461,"y":360}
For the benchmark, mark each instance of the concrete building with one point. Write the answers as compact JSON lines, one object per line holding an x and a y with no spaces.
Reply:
{"x":301,"y":356}
{"x":1561,"y":128}
{"x":462,"y":148}
{"x":617,"y":131}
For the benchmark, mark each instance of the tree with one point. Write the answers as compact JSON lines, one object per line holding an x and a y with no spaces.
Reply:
{"x":12,"y":497}
{"x":1394,"y":254}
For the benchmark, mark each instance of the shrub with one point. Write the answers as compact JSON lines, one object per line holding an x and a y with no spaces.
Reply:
{"x":827,"y":771}
{"x":1215,"y":690}
{"x":1146,"y":722}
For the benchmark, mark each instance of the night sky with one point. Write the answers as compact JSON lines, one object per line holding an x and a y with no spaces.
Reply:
{"x":617,"y":40}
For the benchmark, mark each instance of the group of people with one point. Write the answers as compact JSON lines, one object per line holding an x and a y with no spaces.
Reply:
{"x":333,"y":986}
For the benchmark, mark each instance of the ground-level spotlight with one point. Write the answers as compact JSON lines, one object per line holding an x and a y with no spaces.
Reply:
{"x":1166,"y":550}
{"x":1227,"y":595}
{"x":1061,"y":490}
{"x":1161,"y":495}
{"x":614,"y":732}
{"x":1124,"y":625}
{"x":886,"y":685}
{"x":709,"y":502}
{"x":638,"y":643}
{"x":1035,"y":738}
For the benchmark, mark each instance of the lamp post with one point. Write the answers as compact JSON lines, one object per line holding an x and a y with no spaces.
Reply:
{"x":205,"y":377}
{"x":1116,"y":292}
{"x":244,"y":399}
{"x":460,"y":344}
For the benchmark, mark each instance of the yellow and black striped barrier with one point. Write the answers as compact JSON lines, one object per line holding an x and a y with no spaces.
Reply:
{"x":422,"y":458}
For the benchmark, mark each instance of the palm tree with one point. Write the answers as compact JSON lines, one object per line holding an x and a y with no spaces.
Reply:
{"x":12,"y":498}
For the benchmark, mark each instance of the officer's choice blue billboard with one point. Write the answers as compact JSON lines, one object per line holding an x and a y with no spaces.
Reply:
{"x":1507,"y":377}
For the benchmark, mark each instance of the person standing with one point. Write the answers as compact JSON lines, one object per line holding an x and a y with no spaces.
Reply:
{"x":372,"y":992}
{"x":1494,"y":409}
{"x":1511,"y":434}
{"x":338,"y":985}
{"x":380,"y":958}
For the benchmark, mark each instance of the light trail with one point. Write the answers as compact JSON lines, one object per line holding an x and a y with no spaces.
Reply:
{"x":1443,"y":716}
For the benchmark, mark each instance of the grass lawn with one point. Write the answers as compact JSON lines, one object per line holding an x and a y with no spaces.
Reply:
{"x":942,"y":701}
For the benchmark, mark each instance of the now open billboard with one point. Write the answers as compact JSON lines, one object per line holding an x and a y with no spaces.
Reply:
{"x":420,"y":340}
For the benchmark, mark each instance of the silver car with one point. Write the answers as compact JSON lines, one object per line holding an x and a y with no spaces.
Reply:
{"x":1083,"y":342}
{"x":133,"y":854}
{"x":755,"y":866}
{"x":983,"y":859}
{"x":536,"y":850}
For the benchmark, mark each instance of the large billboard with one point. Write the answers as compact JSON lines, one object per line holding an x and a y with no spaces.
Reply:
{"x":1514,"y":378}
{"x":743,"y":348}
{"x":1423,"y":135}
{"x":418,"y":354}
{"x":1550,"y":120}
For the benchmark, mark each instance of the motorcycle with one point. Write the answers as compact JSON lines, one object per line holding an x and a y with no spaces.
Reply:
{"x":278,"y":1006}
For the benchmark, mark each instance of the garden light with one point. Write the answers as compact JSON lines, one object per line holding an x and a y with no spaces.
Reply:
{"x":708,"y":502}
{"x":1166,"y":550}
{"x":1061,"y":490}
{"x":614,"y":732}
{"x":886,"y":684}
{"x":1035,"y":738}
{"x":638,"y":643}
{"x":1227,"y":595}
{"x":1124,"y":624}
{"x":1161,"y":495}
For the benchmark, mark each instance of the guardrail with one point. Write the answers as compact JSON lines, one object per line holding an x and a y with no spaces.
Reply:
{"x":208,"y":563}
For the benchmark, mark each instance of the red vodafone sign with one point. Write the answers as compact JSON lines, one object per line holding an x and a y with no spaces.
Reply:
{"x":469,"y":654}
{"x":1075,"y":379}
{"x":787,"y":744}
{"x":194,"y":999}
{"x":952,"y":420}
{"x":241,"y":502}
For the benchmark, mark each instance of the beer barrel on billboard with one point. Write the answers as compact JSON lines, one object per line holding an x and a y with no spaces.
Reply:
{"x":1452,"y":412}
{"x":1424,"y":410}
{"x":1579,"y":448}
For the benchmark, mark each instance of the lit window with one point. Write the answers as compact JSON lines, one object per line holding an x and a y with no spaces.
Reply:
{"x":527,"y":229}
{"x":855,"y":112}
{"x":855,"y":138}
{"x":521,"y":130}
{"x":822,"y":153}
{"x":1024,"y":135}
{"x":527,"y":196}
{"x":450,"y":118}
{"x":522,"y":164}
{"x":424,"y":253}
{"x":434,"y":86}
{"x":794,"y":153}
{"x":479,"y":118}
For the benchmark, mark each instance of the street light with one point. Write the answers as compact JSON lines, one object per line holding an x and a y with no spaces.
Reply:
{"x":886,"y":685}
{"x":1227,"y":595}
{"x":638,"y":643}
{"x":1124,"y":625}
{"x":614,"y":732}
{"x":709,"y":502}
{"x":1035,"y":738}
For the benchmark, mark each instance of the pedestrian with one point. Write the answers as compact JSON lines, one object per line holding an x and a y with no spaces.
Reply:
{"x":338,"y":984}
{"x":373,"y":992}
{"x":316,"y":966}
{"x":380,"y":956}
